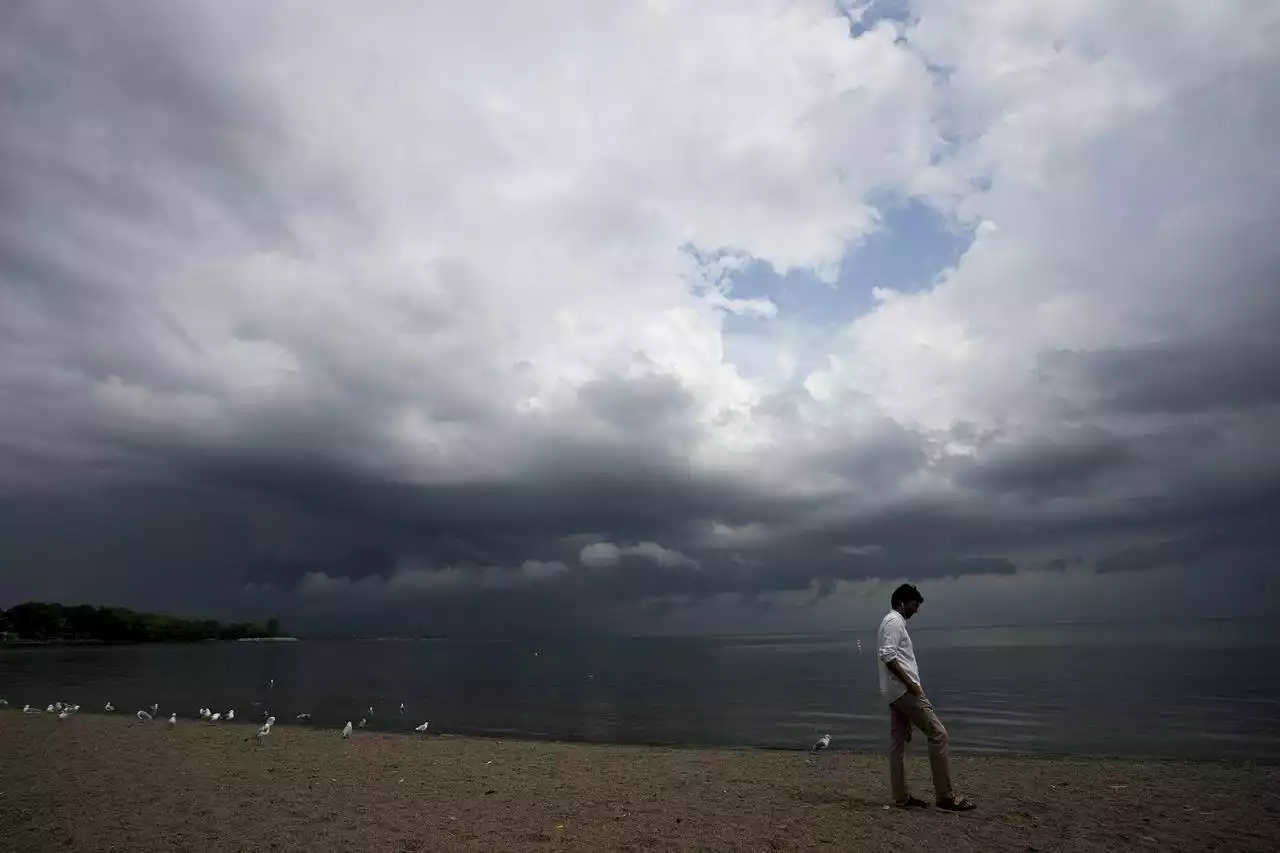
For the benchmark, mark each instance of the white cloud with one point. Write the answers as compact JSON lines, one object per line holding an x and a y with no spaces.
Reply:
{"x":601,"y":554}
{"x":410,"y":579}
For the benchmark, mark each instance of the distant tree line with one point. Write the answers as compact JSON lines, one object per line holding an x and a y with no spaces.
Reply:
{"x":37,"y":620}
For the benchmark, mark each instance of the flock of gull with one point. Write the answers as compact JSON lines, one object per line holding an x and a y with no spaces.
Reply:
{"x":64,"y":710}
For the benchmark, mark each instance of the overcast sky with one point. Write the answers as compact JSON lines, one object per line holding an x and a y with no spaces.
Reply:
{"x":643,"y":316}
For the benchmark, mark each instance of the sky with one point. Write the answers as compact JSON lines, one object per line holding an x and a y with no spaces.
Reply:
{"x":648,"y":316}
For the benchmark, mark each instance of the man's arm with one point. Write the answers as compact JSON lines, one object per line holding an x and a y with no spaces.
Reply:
{"x":896,"y":668}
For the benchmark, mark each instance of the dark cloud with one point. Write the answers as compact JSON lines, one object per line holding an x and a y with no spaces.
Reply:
{"x":1179,"y":377}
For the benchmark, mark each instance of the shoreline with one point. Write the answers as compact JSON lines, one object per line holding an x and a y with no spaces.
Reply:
{"x":957,"y":749}
{"x":105,"y":782}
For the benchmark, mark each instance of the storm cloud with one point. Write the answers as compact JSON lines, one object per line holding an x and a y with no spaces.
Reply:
{"x":434,"y":318}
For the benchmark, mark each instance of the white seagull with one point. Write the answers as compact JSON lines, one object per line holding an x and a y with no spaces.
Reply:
{"x":401,"y":707}
{"x":215,"y":718}
{"x":821,"y":744}
{"x":231,"y":715}
{"x":346,"y":730}
{"x":362,"y":722}
{"x":144,"y":716}
{"x":423,"y":727}
{"x":109,"y":707}
{"x":173,"y":720}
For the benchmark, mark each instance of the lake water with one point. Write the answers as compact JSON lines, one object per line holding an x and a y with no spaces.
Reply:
{"x":1201,"y":689}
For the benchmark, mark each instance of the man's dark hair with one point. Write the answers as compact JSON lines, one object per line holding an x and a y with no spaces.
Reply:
{"x":905,"y":593}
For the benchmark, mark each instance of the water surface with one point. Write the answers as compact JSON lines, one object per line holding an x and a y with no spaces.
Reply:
{"x":1200,"y":689}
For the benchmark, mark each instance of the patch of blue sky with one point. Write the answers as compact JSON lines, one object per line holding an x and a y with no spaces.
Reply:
{"x":912,"y":246}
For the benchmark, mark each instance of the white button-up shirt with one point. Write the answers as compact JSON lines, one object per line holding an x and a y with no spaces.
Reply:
{"x":894,"y":643}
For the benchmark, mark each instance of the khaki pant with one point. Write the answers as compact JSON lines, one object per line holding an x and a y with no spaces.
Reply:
{"x":907,"y":711}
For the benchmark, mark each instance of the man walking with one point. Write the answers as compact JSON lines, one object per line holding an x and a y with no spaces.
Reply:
{"x":908,"y":706}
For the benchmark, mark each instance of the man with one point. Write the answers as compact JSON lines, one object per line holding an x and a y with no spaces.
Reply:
{"x":908,"y":706}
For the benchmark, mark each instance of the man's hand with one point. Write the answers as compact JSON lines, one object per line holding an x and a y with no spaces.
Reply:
{"x":896,"y":668}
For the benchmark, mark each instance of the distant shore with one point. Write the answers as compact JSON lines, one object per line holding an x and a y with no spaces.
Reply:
{"x":20,"y":643}
{"x":109,"y":782}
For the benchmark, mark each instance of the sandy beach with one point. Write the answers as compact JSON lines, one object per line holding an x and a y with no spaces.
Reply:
{"x":102,"y":783}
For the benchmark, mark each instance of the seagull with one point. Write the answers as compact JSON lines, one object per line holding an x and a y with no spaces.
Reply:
{"x":155,"y":708}
{"x":57,"y":706}
{"x":173,"y":720}
{"x":231,"y":715}
{"x":205,"y":713}
{"x":263,"y":732}
{"x":4,"y":703}
{"x":370,"y":711}
{"x":401,"y":707}
{"x":859,"y":647}
{"x":215,"y":718}
{"x":423,"y":727}
{"x":346,"y":730}
{"x":819,"y":745}
{"x":27,"y":709}
{"x":362,"y":722}
{"x":303,"y":716}
{"x":109,"y":707}
{"x":49,"y":710}
{"x":144,"y":716}
{"x":63,"y":714}
{"x":271,"y":721}
{"x":271,"y":683}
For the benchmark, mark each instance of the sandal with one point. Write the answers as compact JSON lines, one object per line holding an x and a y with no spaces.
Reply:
{"x":912,"y":803}
{"x":957,"y":804}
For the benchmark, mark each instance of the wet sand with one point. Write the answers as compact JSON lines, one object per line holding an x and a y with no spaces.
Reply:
{"x":101,"y":783}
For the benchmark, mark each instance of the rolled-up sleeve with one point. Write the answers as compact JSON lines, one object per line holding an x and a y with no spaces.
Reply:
{"x":889,"y":645}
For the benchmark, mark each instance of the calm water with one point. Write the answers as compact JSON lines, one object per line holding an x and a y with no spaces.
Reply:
{"x":1194,"y":689}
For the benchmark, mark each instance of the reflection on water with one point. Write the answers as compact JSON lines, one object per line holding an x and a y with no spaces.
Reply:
{"x":1128,"y":689}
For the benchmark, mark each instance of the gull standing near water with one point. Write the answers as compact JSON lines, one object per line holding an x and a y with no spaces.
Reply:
{"x":346,"y":730}
{"x":173,"y":720}
{"x":423,"y":727}
{"x":362,"y":722}
{"x":143,"y":716}
{"x":818,"y":746}
{"x":109,"y":708}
